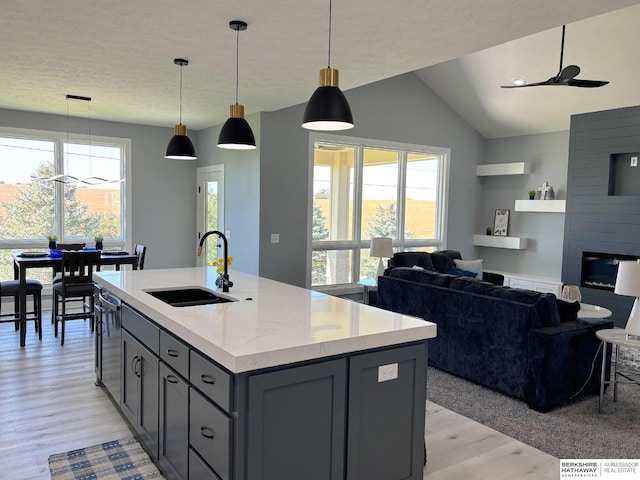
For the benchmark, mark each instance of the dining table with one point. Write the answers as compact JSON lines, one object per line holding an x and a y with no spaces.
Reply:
{"x":23,"y":261}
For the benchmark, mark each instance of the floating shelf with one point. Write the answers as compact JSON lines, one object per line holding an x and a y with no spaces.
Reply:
{"x":517,"y":168}
{"x":514,"y":243}
{"x":553,"y":206}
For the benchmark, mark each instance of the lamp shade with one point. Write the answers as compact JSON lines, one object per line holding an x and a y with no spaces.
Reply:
{"x":236,"y":133}
{"x":381,"y":247}
{"x":628,"y":279}
{"x":180,"y":146}
{"x":628,"y":283}
{"x":328,"y":109}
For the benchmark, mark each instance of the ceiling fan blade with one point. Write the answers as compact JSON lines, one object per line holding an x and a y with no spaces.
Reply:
{"x":546,"y":82}
{"x":567,"y":73}
{"x":586,"y":83}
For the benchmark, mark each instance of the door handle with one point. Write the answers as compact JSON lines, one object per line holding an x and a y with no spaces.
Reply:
{"x":208,"y":379}
{"x":207,"y":433}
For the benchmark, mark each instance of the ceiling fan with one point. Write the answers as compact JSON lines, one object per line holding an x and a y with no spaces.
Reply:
{"x":565,"y":77}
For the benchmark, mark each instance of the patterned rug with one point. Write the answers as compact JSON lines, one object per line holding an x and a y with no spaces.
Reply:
{"x":123,"y":459}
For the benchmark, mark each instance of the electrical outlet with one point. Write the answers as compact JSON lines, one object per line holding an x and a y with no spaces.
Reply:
{"x":634,"y":161}
{"x":387,"y":372}
{"x":275,"y":238}
{"x":227,"y":233}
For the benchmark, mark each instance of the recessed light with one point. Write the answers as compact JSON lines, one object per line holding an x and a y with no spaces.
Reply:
{"x":519,"y":81}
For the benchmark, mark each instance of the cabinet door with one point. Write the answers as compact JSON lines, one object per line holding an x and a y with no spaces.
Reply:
{"x":174,"y":423}
{"x":149,"y":398}
{"x":519,"y":283}
{"x":296,"y":423}
{"x":140,"y":390}
{"x":387,"y":395}
{"x":130,"y":367}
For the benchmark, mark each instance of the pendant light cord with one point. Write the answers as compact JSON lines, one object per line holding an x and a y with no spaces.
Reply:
{"x":237,"y":60}
{"x":329,"y":55}
{"x":180,"y":94}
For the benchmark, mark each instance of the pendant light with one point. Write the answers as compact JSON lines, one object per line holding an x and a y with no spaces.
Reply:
{"x":328,"y":108}
{"x":236,"y":133}
{"x":180,"y":147}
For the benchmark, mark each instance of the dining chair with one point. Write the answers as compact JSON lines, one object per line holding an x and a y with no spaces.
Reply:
{"x":11,"y":288}
{"x":68,"y":247}
{"x":76,"y":284}
{"x":140,"y":251}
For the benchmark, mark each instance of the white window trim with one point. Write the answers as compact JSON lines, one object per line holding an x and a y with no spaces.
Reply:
{"x":31,"y":134}
{"x":442,"y":199}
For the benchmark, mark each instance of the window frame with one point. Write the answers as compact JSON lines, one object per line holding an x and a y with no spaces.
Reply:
{"x":358,"y":244}
{"x":59,"y":138}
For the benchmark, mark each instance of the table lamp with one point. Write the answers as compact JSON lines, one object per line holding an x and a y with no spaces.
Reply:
{"x":381,"y":248}
{"x":628,"y":283}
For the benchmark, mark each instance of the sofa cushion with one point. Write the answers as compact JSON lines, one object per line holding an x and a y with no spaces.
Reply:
{"x":426,"y":277}
{"x":443,"y":259}
{"x":544,"y":303}
{"x":470,"y":265}
{"x":409,"y":259}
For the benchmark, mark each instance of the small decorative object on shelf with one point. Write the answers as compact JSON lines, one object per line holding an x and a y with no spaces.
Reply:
{"x":501,"y":222}
{"x":544,"y":191}
{"x":98,"y":239}
{"x":488,"y":230}
{"x":532,"y":194}
{"x":551,"y":195}
{"x":52,"y":242}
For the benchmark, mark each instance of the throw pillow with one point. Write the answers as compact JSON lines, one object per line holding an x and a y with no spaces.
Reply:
{"x":568,"y":311}
{"x":470,"y":265}
{"x":461,"y":273}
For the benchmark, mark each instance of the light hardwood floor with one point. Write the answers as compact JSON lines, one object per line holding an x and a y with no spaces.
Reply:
{"x":49,"y":404}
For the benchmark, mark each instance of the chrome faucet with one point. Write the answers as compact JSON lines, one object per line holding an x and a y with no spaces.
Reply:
{"x":224,"y":276}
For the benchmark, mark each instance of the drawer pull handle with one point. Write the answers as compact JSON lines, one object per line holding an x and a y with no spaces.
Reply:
{"x":207,"y":432}
{"x":173,"y":353}
{"x":172,"y":379}
{"x":208,"y":379}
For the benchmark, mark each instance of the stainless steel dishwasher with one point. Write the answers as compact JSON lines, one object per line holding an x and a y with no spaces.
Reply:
{"x":108,"y":342}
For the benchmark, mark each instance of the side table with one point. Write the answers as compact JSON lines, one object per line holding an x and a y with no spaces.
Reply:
{"x":588,"y":310}
{"x":369,"y":285}
{"x":616,"y":337}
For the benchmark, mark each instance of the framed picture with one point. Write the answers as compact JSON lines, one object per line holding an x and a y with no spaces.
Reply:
{"x":501,"y":222}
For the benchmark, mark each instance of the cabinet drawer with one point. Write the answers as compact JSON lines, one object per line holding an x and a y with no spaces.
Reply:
{"x":198,"y":469}
{"x":211,"y":380}
{"x":524,"y":284}
{"x":142,"y":328}
{"x":548,"y":288}
{"x":210,"y":434}
{"x":174,"y":353}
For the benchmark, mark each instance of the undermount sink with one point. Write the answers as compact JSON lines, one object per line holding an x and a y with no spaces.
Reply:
{"x":188,"y":297}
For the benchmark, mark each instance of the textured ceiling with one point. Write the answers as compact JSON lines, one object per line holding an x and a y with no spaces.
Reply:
{"x":120,"y":52}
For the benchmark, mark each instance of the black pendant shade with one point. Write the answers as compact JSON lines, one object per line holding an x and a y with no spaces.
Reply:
{"x":180,"y":146}
{"x":236,"y":133}
{"x":328,"y":110}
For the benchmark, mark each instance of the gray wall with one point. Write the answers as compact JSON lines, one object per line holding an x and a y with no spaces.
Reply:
{"x":163,"y":198}
{"x":242,"y":193}
{"x":597,"y":221}
{"x":548,"y":156}
{"x":399,"y":109}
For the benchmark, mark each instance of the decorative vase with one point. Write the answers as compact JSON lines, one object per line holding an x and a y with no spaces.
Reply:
{"x":52,"y":245}
{"x":98,"y":245}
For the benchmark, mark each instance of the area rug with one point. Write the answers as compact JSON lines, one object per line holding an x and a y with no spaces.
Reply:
{"x":123,"y":459}
{"x":575,"y":430}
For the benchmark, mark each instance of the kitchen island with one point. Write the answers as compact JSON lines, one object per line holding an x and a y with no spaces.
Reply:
{"x":279,"y":383}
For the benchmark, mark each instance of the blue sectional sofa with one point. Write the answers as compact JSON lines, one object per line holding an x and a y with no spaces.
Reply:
{"x":525,"y":344}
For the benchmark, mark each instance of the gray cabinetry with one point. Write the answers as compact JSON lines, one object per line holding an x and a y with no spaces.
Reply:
{"x":386,"y":414}
{"x":296,"y":423}
{"x":140,"y":376}
{"x":173,"y":423}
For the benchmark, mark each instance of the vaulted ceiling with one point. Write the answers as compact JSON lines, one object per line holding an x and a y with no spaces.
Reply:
{"x":120,"y":53}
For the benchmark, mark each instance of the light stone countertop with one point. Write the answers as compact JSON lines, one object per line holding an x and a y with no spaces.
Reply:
{"x":281,"y":323}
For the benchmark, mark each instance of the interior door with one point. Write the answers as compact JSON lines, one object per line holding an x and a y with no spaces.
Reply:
{"x":210,"y":209}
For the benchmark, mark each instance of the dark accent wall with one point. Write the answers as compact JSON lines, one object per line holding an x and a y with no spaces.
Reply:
{"x":600,"y":218}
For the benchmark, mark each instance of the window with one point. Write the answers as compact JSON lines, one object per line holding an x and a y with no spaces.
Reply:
{"x":364,"y":189}
{"x":71,"y":186}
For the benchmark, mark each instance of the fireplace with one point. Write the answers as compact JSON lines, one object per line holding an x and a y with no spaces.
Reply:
{"x":599,"y":270}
